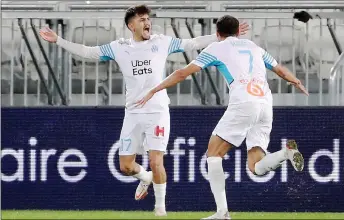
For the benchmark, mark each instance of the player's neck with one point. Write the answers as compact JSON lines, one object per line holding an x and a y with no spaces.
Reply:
{"x":225,"y":38}
{"x":138,"y":38}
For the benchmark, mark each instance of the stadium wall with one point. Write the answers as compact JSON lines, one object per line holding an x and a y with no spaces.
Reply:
{"x":65,"y":158}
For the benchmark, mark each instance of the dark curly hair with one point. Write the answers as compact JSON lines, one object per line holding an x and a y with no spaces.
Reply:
{"x":135,"y":10}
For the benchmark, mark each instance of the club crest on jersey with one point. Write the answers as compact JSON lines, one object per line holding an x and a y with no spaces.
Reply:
{"x":159,"y":131}
{"x":154,"y":48}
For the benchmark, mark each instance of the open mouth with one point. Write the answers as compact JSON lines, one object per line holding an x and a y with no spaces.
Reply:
{"x":146,"y":29}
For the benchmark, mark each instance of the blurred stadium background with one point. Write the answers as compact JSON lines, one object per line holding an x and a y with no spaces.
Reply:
{"x":59,"y":108}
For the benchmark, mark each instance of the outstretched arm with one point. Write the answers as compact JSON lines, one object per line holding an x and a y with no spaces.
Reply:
{"x":79,"y":49}
{"x":203,"y":60}
{"x":104,"y":52}
{"x":176,"y":77}
{"x":285,"y":74}
{"x":282,"y":71}
{"x":197,"y":43}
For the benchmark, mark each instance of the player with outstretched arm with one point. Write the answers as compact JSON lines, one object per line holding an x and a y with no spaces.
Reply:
{"x":142,"y":61}
{"x":249,"y":114}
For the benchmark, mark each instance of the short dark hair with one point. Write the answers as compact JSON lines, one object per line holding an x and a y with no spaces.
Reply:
{"x":136,"y":10}
{"x":227,"y":26}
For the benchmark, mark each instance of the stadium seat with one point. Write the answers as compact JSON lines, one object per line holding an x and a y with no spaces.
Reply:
{"x":90,"y":100}
{"x":88,"y":35}
{"x":26,"y":57}
{"x":18,"y":72}
{"x":10,"y":48}
{"x":279,"y":41}
{"x":323,"y":50}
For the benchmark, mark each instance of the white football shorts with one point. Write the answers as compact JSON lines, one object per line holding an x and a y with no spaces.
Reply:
{"x":252,"y":121}
{"x":142,"y":132}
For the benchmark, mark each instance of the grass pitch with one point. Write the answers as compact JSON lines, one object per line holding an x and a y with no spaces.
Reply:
{"x":47,"y":214}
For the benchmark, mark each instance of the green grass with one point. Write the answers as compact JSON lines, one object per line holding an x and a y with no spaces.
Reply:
{"x":45,"y":214}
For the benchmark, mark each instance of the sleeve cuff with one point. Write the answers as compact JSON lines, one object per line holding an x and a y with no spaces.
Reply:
{"x":59,"y":40}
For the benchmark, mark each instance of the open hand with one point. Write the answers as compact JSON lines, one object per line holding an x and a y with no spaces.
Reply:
{"x":145,"y":99}
{"x":299,"y":85}
{"x":48,"y":35}
{"x":243,"y":28}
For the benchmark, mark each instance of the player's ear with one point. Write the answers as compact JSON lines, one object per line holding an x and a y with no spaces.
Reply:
{"x":218,"y":36}
{"x":131,"y":26}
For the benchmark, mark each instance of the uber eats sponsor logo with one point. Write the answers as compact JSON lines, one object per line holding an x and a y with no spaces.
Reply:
{"x":141,"y":67}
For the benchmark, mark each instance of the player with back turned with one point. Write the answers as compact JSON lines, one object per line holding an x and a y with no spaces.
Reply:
{"x":142,"y":61}
{"x":249,"y":113}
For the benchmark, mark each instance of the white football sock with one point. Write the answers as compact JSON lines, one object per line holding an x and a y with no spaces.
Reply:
{"x":144,"y":175}
{"x":270,"y":162}
{"x":217,"y":182}
{"x":160,"y":193}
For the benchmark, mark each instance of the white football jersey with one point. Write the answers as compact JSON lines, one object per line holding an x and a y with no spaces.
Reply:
{"x":243,"y":65}
{"x":143,"y":65}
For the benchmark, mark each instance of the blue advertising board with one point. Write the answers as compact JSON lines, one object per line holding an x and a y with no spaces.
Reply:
{"x":67,"y":158}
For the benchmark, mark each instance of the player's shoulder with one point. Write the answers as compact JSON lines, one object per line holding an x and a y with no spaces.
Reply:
{"x":159,"y":38}
{"x":122,"y":41}
{"x":128,"y":41}
{"x":238,"y":42}
{"x":215,"y":44}
{"x":213,"y":47}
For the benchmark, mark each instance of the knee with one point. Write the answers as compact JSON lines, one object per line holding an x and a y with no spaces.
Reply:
{"x":126,"y":169}
{"x":214,"y":154}
{"x":217,"y":147}
{"x":251,"y":167}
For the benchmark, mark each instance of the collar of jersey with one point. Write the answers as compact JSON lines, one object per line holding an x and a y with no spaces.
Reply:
{"x":133,"y":42}
{"x":231,"y":38}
